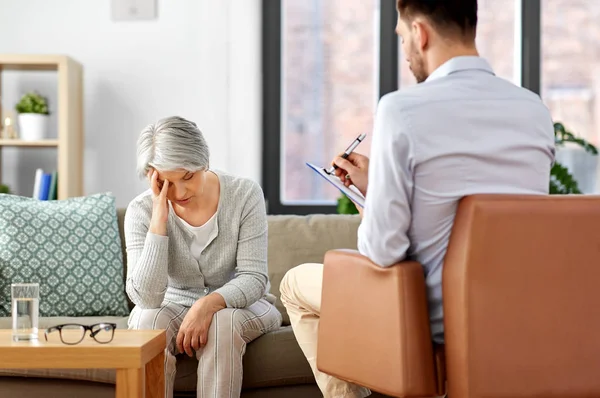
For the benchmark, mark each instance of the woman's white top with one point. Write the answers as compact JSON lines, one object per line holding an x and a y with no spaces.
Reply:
{"x":203,"y":235}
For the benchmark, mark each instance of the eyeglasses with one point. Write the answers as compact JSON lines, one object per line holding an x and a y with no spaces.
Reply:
{"x":73,"y":333}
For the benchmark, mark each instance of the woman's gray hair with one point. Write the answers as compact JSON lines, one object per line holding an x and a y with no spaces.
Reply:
{"x":171,"y":143}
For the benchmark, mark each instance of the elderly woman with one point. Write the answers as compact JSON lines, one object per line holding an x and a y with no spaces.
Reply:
{"x":197,"y":255}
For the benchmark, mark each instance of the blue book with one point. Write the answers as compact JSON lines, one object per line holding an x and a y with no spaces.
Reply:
{"x":45,"y":186}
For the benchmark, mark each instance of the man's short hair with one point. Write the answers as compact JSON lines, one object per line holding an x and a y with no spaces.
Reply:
{"x":446,"y":15}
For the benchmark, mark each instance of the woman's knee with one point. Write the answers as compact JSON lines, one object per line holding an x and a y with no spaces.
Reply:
{"x":145,"y":319}
{"x":228,"y":320}
{"x":247,"y":324}
{"x":155,"y":318}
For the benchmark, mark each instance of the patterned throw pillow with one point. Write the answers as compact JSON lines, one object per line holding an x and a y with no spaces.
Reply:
{"x":70,"y":247}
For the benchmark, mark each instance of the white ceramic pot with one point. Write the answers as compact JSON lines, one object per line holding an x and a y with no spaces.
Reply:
{"x":32,"y":126}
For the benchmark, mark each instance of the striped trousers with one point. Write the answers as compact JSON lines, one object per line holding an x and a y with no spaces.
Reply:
{"x":220,"y":360}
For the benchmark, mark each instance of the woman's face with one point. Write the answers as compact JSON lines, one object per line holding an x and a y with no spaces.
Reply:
{"x":185,"y":187}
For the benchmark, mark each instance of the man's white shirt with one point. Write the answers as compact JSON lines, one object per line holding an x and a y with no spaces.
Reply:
{"x":463,"y":131}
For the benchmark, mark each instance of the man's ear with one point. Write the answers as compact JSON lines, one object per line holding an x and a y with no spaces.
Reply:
{"x":421,"y":33}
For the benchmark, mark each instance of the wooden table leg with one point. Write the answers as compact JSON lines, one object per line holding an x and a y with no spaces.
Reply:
{"x":130,"y":383}
{"x":155,"y":377}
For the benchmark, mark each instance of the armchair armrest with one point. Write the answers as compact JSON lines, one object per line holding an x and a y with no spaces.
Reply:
{"x":374,"y":326}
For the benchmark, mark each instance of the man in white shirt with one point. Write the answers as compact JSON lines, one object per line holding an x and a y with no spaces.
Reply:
{"x":461,"y":131}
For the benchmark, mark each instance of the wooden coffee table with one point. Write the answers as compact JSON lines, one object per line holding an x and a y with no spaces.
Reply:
{"x":137,"y":356}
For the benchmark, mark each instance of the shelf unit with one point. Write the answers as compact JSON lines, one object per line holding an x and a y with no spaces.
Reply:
{"x":33,"y":144}
{"x":69,"y":143}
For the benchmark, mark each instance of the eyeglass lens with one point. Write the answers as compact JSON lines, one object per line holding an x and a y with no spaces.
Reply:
{"x":72,"y":334}
{"x":103,"y":333}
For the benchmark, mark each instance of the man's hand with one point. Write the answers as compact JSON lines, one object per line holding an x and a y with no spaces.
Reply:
{"x":360,"y":209}
{"x":353,"y":171}
{"x":193,"y":332}
{"x":160,"y":206}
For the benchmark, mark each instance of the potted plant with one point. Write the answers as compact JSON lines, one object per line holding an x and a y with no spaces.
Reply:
{"x":346,"y":206}
{"x":4,"y":189}
{"x":562,"y":181}
{"x":33,"y":116}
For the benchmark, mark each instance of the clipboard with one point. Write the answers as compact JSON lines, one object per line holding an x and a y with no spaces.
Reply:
{"x":352,"y":192}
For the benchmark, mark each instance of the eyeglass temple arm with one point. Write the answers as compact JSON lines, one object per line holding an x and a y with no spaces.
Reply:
{"x":50,"y":330}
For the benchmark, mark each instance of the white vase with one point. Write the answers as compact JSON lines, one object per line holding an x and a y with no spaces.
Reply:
{"x":32,"y":126}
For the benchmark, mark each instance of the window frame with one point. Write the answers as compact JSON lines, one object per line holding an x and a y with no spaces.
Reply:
{"x":531,"y":44}
{"x":527,"y":21}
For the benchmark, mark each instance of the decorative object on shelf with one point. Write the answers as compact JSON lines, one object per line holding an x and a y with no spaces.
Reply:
{"x":8,"y":127}
{"x":45,"y":186}
{"x":33,"y":116}
{"x":4,"y":189}
{"x":69,"y":129}
{"x":561,"y":180}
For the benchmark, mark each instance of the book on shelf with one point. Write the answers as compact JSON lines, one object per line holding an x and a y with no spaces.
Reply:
{"x":53,"y":192}
{"x":45,"y":186}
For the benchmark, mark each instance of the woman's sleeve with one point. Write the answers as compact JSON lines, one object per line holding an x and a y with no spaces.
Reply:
{"x":147,"y":259}
{"x":251,"y":273}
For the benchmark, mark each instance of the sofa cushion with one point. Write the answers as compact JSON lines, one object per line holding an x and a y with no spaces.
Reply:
{"x":294,"y":240}
{"x":274,"y":359}
{"x":70,"y":247}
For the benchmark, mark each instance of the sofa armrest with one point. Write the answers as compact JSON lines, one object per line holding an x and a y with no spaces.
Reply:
{"x":374,"y":326}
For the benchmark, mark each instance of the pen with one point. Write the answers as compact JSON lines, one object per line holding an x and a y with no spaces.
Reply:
{"x":348,"y":151}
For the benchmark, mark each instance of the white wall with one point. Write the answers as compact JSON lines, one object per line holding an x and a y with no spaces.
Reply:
{"x":200,"y":59}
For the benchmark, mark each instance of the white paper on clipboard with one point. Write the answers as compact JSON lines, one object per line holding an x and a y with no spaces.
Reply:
{"x":352,"y":192}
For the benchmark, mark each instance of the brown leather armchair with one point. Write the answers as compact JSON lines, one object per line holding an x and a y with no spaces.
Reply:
{"x":521,"y":285}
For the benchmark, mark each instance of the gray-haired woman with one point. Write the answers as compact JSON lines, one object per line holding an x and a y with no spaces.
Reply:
{"x":197,"y":257}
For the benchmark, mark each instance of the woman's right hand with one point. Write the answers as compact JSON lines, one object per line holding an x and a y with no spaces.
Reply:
{"x":160,"y":206}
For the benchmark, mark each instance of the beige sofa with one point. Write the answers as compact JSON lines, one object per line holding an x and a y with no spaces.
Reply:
{"x":273,"y":364}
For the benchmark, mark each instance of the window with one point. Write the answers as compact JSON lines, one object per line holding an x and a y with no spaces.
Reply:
{"x":496,"y":36}
{"x":326,"y":64}
{"x":570,"y":78}
{"x":328,"y":97}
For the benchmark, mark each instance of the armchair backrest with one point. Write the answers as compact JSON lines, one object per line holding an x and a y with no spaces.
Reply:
{"x":521,"y":285}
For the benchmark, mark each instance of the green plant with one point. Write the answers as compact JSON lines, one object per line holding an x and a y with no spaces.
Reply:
{"x":4,"y":189}
{"x":33,"y":102}
{"x":562,"y":181}
{"x":346,"y":206}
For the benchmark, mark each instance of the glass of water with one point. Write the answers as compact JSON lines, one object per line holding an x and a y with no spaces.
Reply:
{"x":25,"y":311}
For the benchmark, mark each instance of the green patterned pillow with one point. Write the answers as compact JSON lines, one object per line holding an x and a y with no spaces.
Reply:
{"x":70,"y":247}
